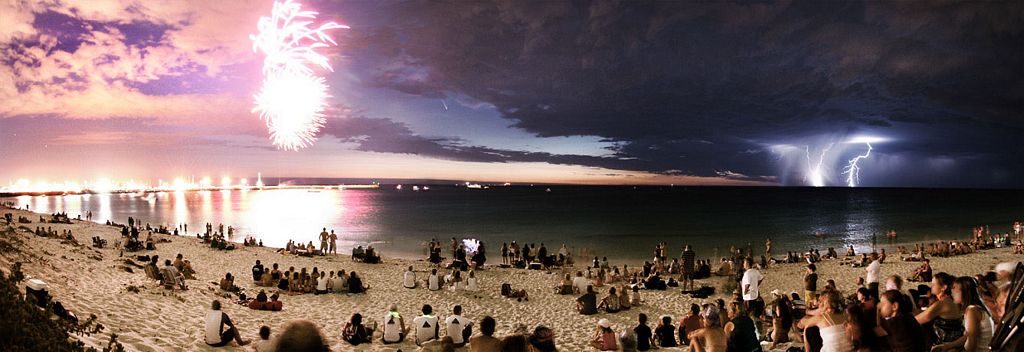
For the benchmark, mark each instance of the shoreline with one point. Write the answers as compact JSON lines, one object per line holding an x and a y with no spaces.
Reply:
{"x":89,"y":280}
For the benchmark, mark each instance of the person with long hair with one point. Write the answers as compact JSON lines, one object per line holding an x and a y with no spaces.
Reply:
{"x":944,"y":314}
{"x":831,"y":322}
{"x":978,"y":325}
{"x":895,"y":322}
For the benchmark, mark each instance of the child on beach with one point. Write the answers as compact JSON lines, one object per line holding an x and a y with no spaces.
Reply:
{"x":604,"y":337}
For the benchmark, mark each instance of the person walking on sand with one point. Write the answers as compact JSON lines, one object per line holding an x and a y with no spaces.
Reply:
{"x":334,"y":242}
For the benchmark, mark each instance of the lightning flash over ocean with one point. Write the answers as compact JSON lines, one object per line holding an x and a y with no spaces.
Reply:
{"x":292,"y":98}
{"x":852,"y":170}
{"x":815,"y":175}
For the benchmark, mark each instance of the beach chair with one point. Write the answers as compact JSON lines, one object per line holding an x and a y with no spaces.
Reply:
{"x":167,"y":280}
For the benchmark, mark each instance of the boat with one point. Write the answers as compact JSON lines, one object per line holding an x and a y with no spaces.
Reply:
{"x":474,"y":186}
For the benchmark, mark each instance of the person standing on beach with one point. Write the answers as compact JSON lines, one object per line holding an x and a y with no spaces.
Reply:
{"x":334,"y":242}
{"x":751,"y":283}
{"x":689,"y":265}
{"x":811,"y":283}
{"x":768,"y":248}
{"x":874,"y":270}
{"x":323,"y":241}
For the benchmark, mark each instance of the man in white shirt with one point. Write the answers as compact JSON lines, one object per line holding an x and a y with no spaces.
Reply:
{"x":426,"y":325}
{"x":409,"y":279}
{"x":458,"y":327}
{"x":321,"y":284}
{"x":220,"y":331}
{"x":751,"y":284}
{"x":579,"y":283}
{"x":433,"y":282}
{"x":874,"y":270}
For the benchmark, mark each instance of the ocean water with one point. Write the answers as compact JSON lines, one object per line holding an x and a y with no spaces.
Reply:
{"x":623,"y":223}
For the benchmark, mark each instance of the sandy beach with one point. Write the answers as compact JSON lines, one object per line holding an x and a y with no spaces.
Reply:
{"x":90,"y":280}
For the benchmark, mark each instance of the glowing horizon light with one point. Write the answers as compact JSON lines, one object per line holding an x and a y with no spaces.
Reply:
{"x":292,"y":98}
{"x":225,"y":182}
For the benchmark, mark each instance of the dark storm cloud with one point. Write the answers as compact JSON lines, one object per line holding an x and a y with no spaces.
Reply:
{"x":694,"y":87}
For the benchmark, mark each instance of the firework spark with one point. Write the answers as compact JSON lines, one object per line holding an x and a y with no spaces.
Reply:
{"x":292,"y":99}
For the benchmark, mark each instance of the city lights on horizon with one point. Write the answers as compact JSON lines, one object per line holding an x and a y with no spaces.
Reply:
{"x":106,"y":185}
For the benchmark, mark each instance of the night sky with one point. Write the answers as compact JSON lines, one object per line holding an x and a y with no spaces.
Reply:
{"x":528,"y":91}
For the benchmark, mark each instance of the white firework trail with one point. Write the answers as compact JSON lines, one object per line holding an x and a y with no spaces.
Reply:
{"x":292,"y":98}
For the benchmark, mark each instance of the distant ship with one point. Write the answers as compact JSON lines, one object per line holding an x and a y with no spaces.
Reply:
{"x":474,"y":186}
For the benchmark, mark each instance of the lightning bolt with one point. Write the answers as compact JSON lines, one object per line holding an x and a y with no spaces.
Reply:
{"x":852,"y":171}
{"x":814,"y":172}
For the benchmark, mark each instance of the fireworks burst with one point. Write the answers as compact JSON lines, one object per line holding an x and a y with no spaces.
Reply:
{"x":292,"y":99}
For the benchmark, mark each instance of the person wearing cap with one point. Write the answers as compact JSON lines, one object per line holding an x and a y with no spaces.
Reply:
{"x":710,"y":338}
{"x":1004,"y":282}
{"x":394,"y":330}
{"x":604,"y":338}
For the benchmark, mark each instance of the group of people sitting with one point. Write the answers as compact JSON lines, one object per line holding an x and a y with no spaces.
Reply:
{"x":455,"y":280}
{"x":301,"y":281}
{"x":172,"y":274}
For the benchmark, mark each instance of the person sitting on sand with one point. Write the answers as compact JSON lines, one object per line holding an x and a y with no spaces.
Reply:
{"x":457,"y":327}
{"x":283,"y":282}
{"x":741,"y":332}
{"x":485,"y":342}
{"x":624,"y":301}
{"x":690,"y":323}
{"x":301,"y":336}
{"x":433,"y":282}
{"x":228,"y":283}
{"x":184,"y":267}
{"x":610,"y":303}
{"x":257,"y":271}
{"x":152,"y":271}
{"x":341,"y":282}
{"x":978,"y":323}
{"x":923,"y":273}
{"x":409,"y":278}
{"x":394,"y":329}
{"x":664,"y":334}
{"x":171,"y":276}
{"x":564,"y":286}
{"x":355,"y":284}
{"x":587,"y":303}
{"x":579,"y":283}
{"x":542,"y":339}
{"x":711,"y":337}
{"x":322,"y":284}
{"x":471,"y":283}
{"x":850,"y":252}
{"x":426,"y":325}
{"x":604,"y":337}
{"x":831,"y":322}
{"x":220,"y":331}
{"x":944,"y":312}
{"x":355,"y":332}
{"x":263,"y":344}
{"x":644,"y":335}
{"x":895,"y":322}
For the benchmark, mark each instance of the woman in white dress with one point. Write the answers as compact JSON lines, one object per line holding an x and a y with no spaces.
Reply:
{"x":978,"y":326}
{"x":831,"y":322}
